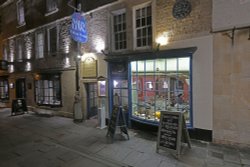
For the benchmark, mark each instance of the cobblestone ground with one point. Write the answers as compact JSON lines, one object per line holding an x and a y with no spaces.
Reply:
{"x":30,"y":140}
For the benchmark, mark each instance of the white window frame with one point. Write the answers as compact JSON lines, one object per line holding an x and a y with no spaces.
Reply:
{"x":144,"y":5}
{"x":48,"y":4}
{"x":116,"y":13}
{"x":57,"y":39}
{"x":19,"y":49}
{"x":46,"y":90}
{"x":20,"y":13}
{"x":40,"y":55}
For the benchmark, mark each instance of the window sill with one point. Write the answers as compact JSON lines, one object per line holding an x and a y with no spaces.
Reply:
{"x":143,"y":48}
{"x":52,"y":12}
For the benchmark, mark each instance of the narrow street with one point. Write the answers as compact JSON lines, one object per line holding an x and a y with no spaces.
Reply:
{"x":32,"y":140}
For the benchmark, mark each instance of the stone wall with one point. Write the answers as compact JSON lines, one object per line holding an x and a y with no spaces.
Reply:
{"x":231,"y":88}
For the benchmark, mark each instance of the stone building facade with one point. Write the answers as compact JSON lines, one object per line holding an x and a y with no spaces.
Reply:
{"x":231,"y":99}
{"x":219,"y":60}
{"x":26,"y":69}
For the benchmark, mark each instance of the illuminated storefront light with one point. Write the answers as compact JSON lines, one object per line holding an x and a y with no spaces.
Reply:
{"x":66,"y":63}
{"x":28,"y":47}
{"x":99,"y":44}
{"x":86,"y":56}
{"x":162,"y":39}
{"x":28,"y":66}
{"x":11,"y":68}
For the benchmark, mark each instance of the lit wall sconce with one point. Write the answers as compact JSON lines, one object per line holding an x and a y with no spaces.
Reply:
{"x":162,"y":40}
{"x":11,"y":85}
{"x":99,"y":44}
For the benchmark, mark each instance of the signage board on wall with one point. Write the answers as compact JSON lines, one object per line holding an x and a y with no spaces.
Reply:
{"x":89,"y":68}
{"x":78,"y":30}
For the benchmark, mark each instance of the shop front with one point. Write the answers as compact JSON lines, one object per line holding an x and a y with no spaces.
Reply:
{"x":151,"y":82}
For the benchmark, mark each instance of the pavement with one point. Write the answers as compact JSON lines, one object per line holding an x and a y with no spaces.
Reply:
{"x":32,"y":140}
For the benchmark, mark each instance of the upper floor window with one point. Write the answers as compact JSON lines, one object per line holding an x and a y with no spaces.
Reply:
{"x":51,"y":6}
{"x":48,"y":90}
{"x":4,"y":89}
{"x":20,"y":13}
{"x":143,"y":26}
{"x":19,"y":49}
{"x":119,"y":30}
{"x":52,"y":40}
{"x":40,"y":45}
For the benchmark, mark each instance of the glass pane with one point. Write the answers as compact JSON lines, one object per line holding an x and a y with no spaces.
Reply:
{"x":141,"y":66}
{"x":138,"y":21}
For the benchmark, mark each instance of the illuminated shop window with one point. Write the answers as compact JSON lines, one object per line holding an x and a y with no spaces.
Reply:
{"x":48,"y":90}
{"x":4,"y":89}
{"x":160,"y":84}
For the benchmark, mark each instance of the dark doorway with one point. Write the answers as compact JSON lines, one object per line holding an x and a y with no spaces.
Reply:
{"x":92,"y":100}
{"x":20,"y":88}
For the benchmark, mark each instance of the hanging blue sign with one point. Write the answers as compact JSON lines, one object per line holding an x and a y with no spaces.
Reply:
{"x":78,"y":30}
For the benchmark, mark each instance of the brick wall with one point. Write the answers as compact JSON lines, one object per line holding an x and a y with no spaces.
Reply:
{"x":197,"y":23}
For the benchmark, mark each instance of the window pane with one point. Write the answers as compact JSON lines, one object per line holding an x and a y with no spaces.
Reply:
{"x":143,"y":26}
{"x":53,"y":40}
{"x":48,"y":90}
{"x":20,"y":13}
{"x":119,"y":37}
{"x":51,"y":5}
{"x":4,"y":89}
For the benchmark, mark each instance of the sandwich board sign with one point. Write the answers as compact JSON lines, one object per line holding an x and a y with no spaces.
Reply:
{"x":172,"y":131}
{"x":117,"y":120}
{"x":78,"y":30}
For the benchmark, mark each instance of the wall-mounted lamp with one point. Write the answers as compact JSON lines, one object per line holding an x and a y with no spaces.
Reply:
{"x":99,"y":44}
{"x":11,"y":85}
{"x":162,"y":39}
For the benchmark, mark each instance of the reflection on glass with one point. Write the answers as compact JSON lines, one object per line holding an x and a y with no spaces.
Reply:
{"x":120,"y":93}
{"x":161,"y":84}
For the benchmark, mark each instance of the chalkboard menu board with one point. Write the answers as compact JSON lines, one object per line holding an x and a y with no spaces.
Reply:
{"x":172,"y":131}
{"x":113,"y":121}
{"x":169,"y":133}
{"x":18,"y":106}
{"x":117,"y":119}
